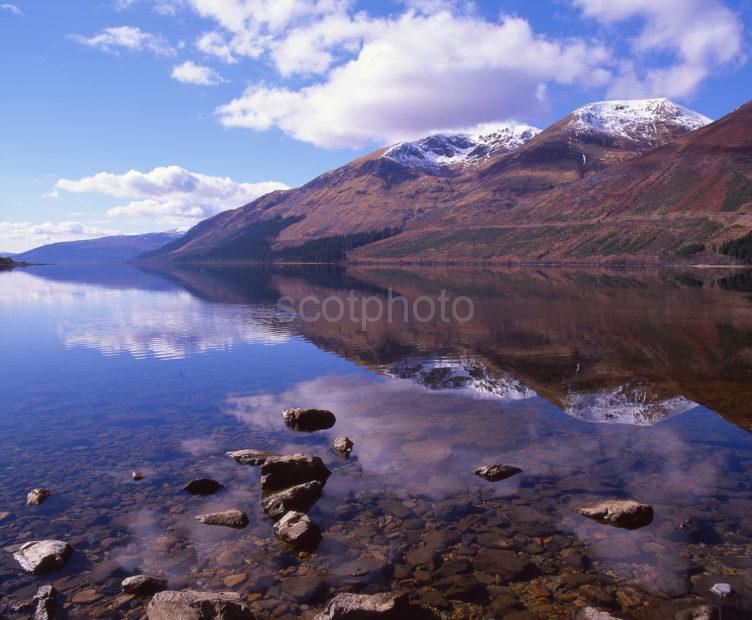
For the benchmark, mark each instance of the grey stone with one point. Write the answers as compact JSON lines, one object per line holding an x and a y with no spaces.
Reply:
{"x":297,"y":529}
{"x":624,"y":513}
{"x":143,"y":585}
{"x":137,"y":475}
{"x":343,"y":446}
{"x":46,"y":603}
{"x":722,"y":590}
{"x":498,"y":472}
{"x":203,"y":486}
{"x":194,"y":605}
{"x":282,"y":472}
{"x":347,"y":606}
{"x":504,"y":563}
{"x":308,"y":420}
{"x":36,"y":497}
{"x":228,"y":518}
{"x":298,"y":498}
{"x":250,"y":457}
{"x":43,"y":556}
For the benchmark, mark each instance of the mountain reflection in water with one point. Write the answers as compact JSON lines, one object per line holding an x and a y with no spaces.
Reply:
{"x":166,"y":371}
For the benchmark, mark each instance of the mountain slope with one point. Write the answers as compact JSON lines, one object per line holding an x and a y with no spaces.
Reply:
{"x":512,"y":194}
{"x":116,"y":249}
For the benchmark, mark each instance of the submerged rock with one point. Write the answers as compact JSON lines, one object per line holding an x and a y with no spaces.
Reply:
{"x":308,"y":420}
{"x":496,"y":473}
{"x":620,"y":513}
{"x":282,"y":472}
{"x":137,"y":475}
{"x":194,"y":605}
{"x":347,"y":606}
{"x":43,"y":556}
{"x":46,"y":603}
{"x":722,"y":590}
{"x":143,"y":585}
{"x":250,"y":457}
{"x":203,"y":486}
{"x":229,"y":518}
{"x":591,"y":613}
{"x":343,"y":446}
{"x":299,"y":498}
{"x":297,"y":529}
{"x":36,"y":497}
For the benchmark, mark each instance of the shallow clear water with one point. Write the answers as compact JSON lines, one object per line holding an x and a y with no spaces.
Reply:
{"x":598,"y":385}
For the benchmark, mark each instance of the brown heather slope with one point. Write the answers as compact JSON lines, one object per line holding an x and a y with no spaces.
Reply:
{"x":664,"y":204}
{"x":567,"y":195}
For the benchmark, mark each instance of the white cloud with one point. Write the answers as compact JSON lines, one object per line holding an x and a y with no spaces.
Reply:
{"x":11,"y":8}
{"x":126,"y":37}
{"x":191,"y":73}
{"x":414,"y":74}
{"x":22,"y":236}
{"x":702,"y":35}
{"x":169,"y":195}
{"x":162,"y":7}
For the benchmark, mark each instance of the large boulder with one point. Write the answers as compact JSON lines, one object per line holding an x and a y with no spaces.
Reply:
{"x":35,"y":497}
{"x":194,"y":605}
{"x":228,"y":518}
{"x":495,"y":473}
{"x":143,"y":585}
{"x":347,"y":606}
{"x":296,"y":529}
{"x":308,"y":420}
{"x":624,"y":513}
{"x":299,"y":498}
{"x":203,"y":486}
{"x":282,"y":472}
{"x":250,"y":457}
{"x":43,"y":556}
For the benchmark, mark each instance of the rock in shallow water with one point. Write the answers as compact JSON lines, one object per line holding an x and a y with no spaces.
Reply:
{"x":203,"y":486}
{"x":282,"y":472}
{"x":43,"y":556}
{"x":143,"y":585}
{"x":365,"y":606}
{"x":137,"y":475}
{"x":299,"y":498}
{"x":297,"y":529}
{"x":228,"y":518}
{"x":498,"y":472}
{"x":46,"y":603}
{"x":308,"y":420}
{"x":36,"y":497}
{"x":624,"y":513}
{"x":343,"y":446}
{"x":194,"y":605}
{"x":250,"y":457}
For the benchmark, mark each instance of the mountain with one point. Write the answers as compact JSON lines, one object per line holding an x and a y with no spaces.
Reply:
{"x":117,"y":249}
{"x":582,"y":190}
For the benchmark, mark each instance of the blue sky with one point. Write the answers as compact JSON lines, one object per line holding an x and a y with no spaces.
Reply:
{"x":140,"y":115}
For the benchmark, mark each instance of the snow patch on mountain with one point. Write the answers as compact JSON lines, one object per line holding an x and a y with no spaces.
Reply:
{"x":625,"y":405}
{"x":459,"y":374}
{"x":438,"y":151}
{"x":638,"y":120}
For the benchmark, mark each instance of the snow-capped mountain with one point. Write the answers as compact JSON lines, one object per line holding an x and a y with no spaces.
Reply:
{"x":463,"y":373}
{"x":625,"y":405}
{"x":435,"y":152}
{"x":640,"y":120}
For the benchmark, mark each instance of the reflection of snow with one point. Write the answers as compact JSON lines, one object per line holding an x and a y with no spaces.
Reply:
{"x":625,"y":405}
{"x":162,"y":324}
{"x":442,"y":374}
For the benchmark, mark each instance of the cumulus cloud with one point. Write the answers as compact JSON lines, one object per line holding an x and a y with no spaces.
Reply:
{"x":126,"y":37}
{"x":701,"y":35}
{"x":21,"y":236}
{"x":169,"y":194}
{"x":415,"y":74}
{"x":191,"y":73}
{"x":11,"y":8}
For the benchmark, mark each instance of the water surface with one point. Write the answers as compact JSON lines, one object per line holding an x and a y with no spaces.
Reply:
{"x":597,"y":384}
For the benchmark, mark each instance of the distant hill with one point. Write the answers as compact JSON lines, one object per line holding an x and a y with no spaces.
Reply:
{"x":615,"y":181}
{"x":117,"y":249}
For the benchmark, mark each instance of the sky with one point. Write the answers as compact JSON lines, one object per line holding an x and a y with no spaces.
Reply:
{"x":133,"y":116}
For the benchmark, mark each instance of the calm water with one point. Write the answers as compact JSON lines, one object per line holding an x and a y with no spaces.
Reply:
{"x":598,"y":385}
